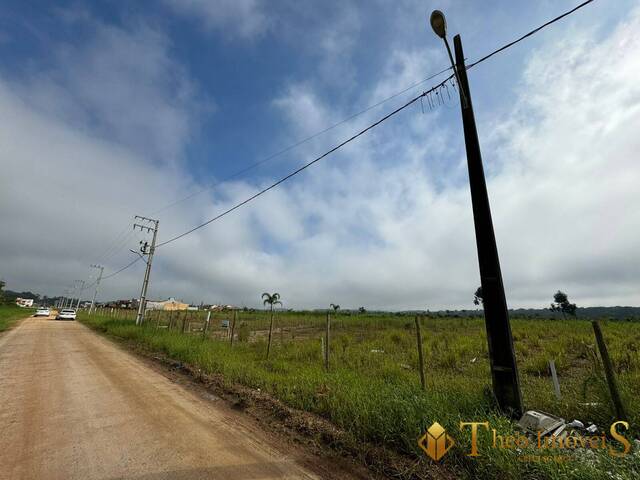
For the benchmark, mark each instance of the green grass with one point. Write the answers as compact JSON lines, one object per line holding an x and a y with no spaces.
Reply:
{"x":372,"y":389}
{"x":9,"y":314}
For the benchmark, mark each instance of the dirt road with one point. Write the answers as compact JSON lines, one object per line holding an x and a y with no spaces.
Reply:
{"x":75,"y":406}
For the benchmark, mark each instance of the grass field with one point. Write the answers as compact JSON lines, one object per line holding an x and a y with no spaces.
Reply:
{"x":373,"y":391}
{"x":9,"y":314}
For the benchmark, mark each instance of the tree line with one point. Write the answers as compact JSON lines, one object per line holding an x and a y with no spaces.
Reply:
{"x":560,"y":303}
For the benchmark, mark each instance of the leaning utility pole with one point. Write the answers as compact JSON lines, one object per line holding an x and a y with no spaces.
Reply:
{"x":504,"y":372}
{"x":149,"y":251}
{"x":95,"y":292}
{"x":67,"y":296}
{"x":79,"y":293}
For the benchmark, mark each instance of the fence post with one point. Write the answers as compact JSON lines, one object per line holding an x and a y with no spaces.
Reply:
{"x":326,"y":346}
{"x":206,"y":325}
{"x":184,"y":322}
{"x":420,"y":354}
{"x":609,"y":373}
{"x":554,"y":377}
{"x":233,"y":325}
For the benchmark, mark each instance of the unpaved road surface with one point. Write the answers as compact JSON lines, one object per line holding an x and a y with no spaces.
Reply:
{"x":75,"y":406}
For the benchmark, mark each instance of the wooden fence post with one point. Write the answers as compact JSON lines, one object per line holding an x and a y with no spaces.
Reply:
{"x":609,"y":373}
{"x":233,"y":325}
{"x":420,"y":354}
{"x":184,"y":322}
{"x":554,"y":377}
{"x":206,"y":325}
{"x":326,"y":343}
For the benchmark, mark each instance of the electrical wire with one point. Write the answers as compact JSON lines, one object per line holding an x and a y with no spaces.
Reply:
{"x":350,"y":139}
{"x":113,"y":243}
{"x":301,"y":142}
{"x":526,"y":35}
{"x":137,"y":259}
{"x":307,"y":165}
{"x":123,"y":243}
{"x":373,"y":125}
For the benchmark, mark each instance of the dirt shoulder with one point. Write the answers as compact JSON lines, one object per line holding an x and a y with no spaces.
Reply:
{"x":320,"y":438}
{"x":78,"y":406}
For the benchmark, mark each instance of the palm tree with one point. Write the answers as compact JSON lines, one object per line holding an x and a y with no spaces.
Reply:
{"x":271,"y":300}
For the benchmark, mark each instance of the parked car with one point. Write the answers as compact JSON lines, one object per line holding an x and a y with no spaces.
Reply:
{"x":66,"y":314}
{"x":42,"y":312}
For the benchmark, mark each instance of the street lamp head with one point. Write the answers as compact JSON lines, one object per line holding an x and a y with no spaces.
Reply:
{"x":438,"y":23}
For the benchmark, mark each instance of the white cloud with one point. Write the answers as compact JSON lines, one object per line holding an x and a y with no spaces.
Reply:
{"x":383,"y":223}
{"x":241,"y":18}
{"x":122,"y":85}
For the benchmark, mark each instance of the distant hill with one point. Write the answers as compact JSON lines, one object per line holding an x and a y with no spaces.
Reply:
{"x":11,"y":295}
{"x":616,"y":313}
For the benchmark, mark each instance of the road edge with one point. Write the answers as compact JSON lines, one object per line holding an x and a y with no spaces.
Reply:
{"x":319,"y":435}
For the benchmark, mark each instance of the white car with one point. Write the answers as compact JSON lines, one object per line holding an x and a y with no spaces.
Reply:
{"x":42,"y":312}
{"x":66,"y":314}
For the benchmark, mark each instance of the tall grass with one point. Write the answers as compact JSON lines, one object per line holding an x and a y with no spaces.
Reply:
{"x":373,"y":391}
{"x":10,"y":314}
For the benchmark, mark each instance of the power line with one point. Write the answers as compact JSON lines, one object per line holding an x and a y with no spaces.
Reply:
{"x":526,"y":35}
{"x":371,"y":107}
{"x":301,"y":142}
{"x":307,"y":165}
{"x":352,"y":138}
{"x":113,"y":243}
{"x":373,"y":125}
{"x":122,"y":269}
{"x":117,"y":248}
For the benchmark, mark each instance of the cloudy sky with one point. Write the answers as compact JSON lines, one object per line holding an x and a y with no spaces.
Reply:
{"x":112,"y":109}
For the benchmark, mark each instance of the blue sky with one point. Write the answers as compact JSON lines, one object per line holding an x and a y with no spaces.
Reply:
{"x":115,"y":109}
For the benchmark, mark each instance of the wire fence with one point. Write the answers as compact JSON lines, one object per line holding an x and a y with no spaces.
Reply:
{"x":559,"y":362}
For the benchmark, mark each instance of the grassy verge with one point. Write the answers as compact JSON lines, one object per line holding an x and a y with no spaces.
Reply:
{"x":10,"y":314}
{"x":372,"y":391}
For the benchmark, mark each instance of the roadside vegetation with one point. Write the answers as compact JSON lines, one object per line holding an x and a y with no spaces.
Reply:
{"x":10,"y":314}
{"x":372,"y":388}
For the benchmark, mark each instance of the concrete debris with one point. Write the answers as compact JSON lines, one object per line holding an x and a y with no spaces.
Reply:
{"x":576,"y":424}
{"x":541,"y":424}
{"x":534,"y":422}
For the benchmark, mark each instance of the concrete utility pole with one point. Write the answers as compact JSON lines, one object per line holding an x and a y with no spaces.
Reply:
{"x":95,"y":292}
{"x":79,"y":293}
{"x":504,"y":372}
{"x":149,"y":251}
{"x":67,"y":296}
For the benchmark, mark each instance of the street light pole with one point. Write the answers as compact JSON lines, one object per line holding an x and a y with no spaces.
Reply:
{"x":95,"y":292}
{"x":504,"y":372}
